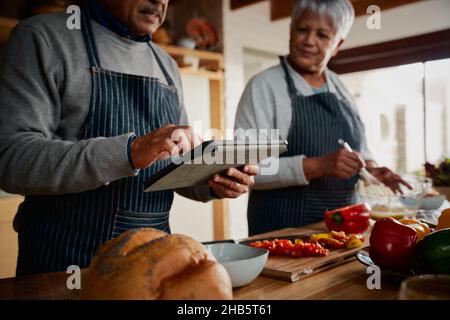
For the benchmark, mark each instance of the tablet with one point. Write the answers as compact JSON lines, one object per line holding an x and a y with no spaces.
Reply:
{"x":211,"y":157}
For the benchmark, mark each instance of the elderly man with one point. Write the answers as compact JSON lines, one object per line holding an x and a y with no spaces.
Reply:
{"x":312,"y":110}
{"x":86,"y":117}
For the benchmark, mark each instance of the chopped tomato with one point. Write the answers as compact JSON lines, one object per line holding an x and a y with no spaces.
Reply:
{"x":296,"y":249}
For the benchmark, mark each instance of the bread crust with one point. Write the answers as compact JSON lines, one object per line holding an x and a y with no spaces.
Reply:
{"x":150,"y":264}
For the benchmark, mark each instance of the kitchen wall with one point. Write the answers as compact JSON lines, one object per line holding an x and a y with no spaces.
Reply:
{"x":251,"y":28}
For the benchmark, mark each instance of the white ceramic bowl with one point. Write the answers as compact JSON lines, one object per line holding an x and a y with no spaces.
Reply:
{"x":243,"y":263}
{"x":432,"y":202}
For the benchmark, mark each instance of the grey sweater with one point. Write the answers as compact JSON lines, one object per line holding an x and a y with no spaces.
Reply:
{"x":45,"y":92}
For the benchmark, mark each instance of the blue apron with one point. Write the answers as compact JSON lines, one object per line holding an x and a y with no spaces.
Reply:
{"x":318,"y":121}
{"x":58,"y":231}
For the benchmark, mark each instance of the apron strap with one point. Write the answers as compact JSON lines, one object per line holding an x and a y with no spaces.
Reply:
{"x":86,"y":27}
{"x":161,"y":65}
{"x":291,"y":87}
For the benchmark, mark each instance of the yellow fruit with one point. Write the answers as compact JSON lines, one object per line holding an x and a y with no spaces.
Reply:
{"x":444,"y":220}
{"x":421,"y":228}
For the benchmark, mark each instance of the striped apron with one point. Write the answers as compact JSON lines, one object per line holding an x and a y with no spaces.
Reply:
{"x":58,"y":231}
{"x":318,"y":121}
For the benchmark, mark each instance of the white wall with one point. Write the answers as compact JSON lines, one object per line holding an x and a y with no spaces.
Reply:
{"x":251,"y":27}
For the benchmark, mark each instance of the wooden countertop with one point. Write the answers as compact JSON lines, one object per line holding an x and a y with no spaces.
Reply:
{"x":346,"y":281}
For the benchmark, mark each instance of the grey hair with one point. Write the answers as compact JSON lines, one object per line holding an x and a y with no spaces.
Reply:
{"x":340,"y":12}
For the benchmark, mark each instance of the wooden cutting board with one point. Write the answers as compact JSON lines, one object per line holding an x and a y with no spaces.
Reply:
{"x":294,"y":268}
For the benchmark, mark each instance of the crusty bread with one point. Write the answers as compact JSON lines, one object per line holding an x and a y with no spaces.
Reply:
{"x":150,"y":264}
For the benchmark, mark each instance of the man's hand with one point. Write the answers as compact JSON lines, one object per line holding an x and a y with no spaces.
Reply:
{"x":340,"y":164}
{"x":235,"y":182}
{"x":162,"y":144}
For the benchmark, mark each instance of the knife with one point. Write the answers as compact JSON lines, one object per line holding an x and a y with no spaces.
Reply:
{"x":220,"y":241}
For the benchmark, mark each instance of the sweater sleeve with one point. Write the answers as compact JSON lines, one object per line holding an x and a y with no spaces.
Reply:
{"x":33,"y":159}
{"x":256,"y":110}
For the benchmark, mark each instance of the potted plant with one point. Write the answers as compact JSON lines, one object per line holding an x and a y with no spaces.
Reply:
{"x":440,"y":174}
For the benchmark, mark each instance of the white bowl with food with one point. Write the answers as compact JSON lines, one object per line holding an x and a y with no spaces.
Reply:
{"x":432,"y":201}
{"x":386,"y":203}
{"x":243,"y":263}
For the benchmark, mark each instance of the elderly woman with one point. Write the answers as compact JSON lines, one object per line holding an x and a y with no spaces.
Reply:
{"x":312,"y":110}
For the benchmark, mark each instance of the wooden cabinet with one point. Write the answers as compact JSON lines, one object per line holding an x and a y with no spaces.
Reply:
{"x":8,"y":237}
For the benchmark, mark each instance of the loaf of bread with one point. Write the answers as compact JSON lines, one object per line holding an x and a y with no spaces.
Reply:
{"x":150,"y":264}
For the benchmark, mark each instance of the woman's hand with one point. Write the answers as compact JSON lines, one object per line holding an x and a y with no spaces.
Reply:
{"x":162,"y":144}
{"x":388,"y":178}
{"x":235,"y":182}
{"x":340,"y":164}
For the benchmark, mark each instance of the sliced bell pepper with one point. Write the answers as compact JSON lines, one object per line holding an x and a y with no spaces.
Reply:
{"x":392,"y":244}
{"x":355,"y":241}
{"x":351,"y":219}
{"x":421,"y":228}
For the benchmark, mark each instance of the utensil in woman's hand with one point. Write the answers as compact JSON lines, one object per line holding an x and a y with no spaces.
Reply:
{"x":364,"y":173}
{"x":377,"y":187}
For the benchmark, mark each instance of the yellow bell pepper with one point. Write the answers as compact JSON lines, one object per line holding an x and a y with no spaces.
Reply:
{"x":444,"y":220}
{"x":318,"y":236}
{"x":355,"y":241}
{"x":422,"y":229}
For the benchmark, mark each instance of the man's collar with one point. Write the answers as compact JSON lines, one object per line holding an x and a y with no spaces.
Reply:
{"x":104,"y":18}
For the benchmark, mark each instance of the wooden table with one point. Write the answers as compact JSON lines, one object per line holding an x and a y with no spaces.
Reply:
{"x":346,"y":281}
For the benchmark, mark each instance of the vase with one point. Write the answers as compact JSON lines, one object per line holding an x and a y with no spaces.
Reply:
{"x":444,"y":191}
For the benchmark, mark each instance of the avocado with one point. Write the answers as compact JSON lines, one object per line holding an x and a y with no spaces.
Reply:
{"x":432,"y":253}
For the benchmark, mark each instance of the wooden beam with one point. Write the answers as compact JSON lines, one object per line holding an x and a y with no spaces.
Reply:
{"x":282,"y":9}
{"x":237,"y":4}
{"x":218,"y":122}
{"x":362,"y":5}
{"x":431,"y":46}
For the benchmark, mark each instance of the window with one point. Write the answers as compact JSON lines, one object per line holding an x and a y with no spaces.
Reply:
{"x":406,"y":111}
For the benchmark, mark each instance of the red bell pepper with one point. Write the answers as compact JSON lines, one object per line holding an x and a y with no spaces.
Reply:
{"x":392,"y":244}
{"x":351,"y":219}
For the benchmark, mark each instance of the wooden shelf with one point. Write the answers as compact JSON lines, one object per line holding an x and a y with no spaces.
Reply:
{"x":203,"y":55}
{"x":210,"y":64}
{"x":202,"y":73}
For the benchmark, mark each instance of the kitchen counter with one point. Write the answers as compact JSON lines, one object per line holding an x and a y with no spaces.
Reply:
{"x":346,"y":281}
